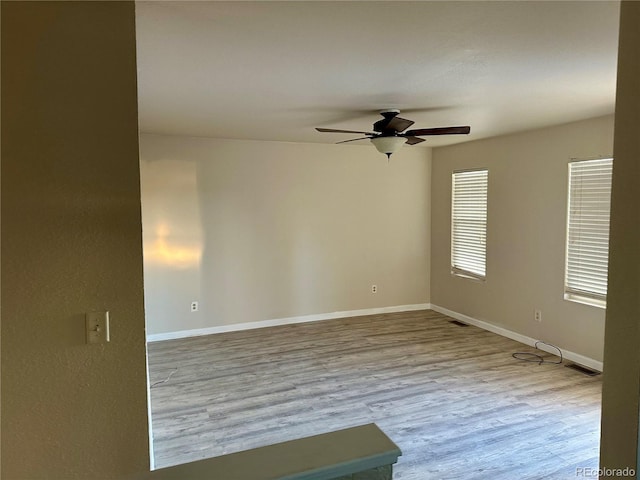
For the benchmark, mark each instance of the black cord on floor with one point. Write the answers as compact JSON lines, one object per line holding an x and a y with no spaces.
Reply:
{"x":165,"y":380}
{"x":534,"y":357}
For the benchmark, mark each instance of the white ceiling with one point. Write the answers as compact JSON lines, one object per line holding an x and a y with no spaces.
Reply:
{"x":275,"y":70}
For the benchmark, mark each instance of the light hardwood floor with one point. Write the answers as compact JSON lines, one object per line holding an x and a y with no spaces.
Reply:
{"x":452,"y":398}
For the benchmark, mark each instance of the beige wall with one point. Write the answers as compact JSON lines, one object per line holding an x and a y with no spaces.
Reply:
{"x":268,"y":230}
{"x":526,"y":233}
{"x":71,"y":243}
{"x":620,"y":402}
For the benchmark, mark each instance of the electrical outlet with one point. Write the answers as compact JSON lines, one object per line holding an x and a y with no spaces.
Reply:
{"x":537,"y":315}
{"x":194,"y":306}
{"x":374,"y":289}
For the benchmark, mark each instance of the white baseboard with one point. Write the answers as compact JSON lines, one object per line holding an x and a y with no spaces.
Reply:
{"x":574,"y":357}
{"x":157,"y":337}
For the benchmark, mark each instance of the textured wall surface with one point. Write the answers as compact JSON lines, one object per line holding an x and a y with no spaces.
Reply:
{"x":71,"y":243}
{"x":526,"y":230}
{"x":265,"y":230}
{"x":620,"y":402}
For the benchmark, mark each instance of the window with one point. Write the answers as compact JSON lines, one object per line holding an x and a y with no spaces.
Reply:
{"x":469,"y":223}
{"x":588,"y":231}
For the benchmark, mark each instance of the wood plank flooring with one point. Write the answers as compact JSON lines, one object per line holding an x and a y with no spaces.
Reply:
{"x":452,"y":398}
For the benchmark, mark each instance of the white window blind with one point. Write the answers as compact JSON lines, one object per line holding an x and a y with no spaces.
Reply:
{"x":588,"y":230}
{"x":469,"y":223}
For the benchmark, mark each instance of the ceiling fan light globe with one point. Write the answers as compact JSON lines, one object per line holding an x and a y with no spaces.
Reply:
{"x":388,"y":145}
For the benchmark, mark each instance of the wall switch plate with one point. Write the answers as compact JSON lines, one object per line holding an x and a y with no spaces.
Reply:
{"x":97,"y":326}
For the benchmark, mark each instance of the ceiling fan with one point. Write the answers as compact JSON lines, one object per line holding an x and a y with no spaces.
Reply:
{"x":389,"y":133}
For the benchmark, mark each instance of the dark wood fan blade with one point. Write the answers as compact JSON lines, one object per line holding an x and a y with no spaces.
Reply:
{"x":439,"y":131}
{"x":354,"y":139}
{"x":414,"y":140}
{"x":400,"y":124}
{"x":395,"y":124}
{"x":333,"y":130}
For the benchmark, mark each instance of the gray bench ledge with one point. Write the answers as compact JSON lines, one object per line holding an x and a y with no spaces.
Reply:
{"x":320,"y":457}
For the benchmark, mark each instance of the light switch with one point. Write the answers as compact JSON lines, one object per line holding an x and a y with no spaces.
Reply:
{"x":97,"y":327}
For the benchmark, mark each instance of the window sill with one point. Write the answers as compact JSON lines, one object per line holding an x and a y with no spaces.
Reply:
{"x":468,"y":277}
{"x":592,"y":302}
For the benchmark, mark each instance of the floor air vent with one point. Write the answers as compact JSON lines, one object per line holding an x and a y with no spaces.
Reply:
{"x":581,"y":369}
{"x":460,"y":324}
